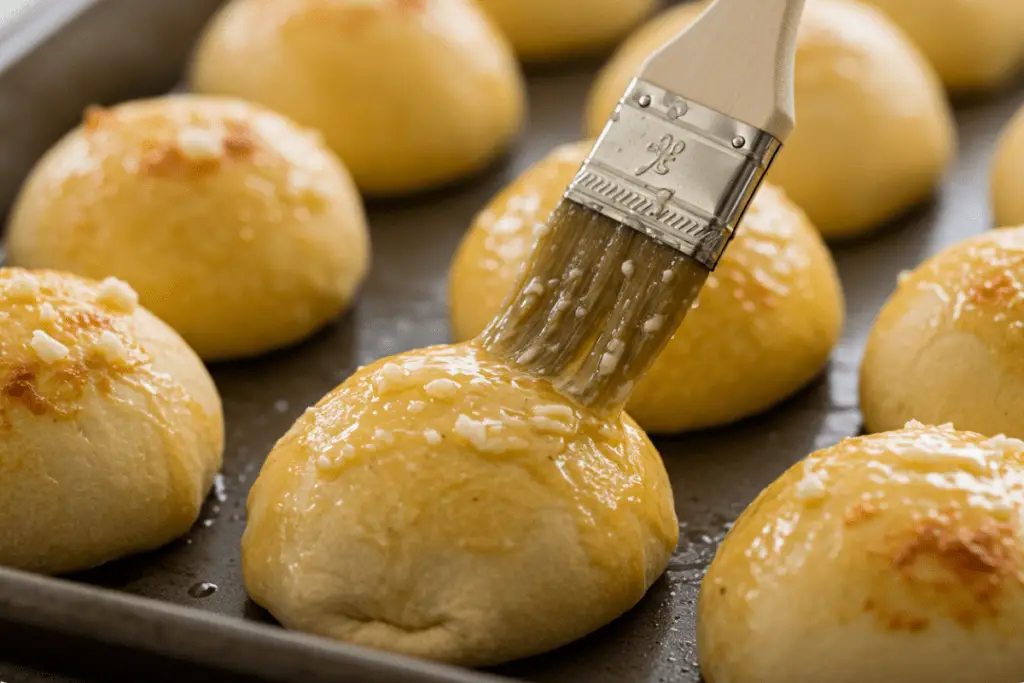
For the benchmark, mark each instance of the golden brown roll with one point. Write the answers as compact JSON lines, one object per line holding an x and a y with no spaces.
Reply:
{"x":236,"y":227}
{"x":763,"y":327}
{"x":949,"y":344}
{"x":973,"y":45}
{"x":110,"y":428}
{"x":874,"y":131}
{"x":540,"y":30}
{"x":1008,"y":175}
{"x":410,"y":93}
{"x":442,"y":505}
{"x":885,"y":558}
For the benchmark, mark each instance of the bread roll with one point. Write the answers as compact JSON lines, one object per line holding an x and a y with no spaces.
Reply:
{"x":874,"y":131}
{"x":410,"y":93}
{"x":763,"y":326}
{"x":897,"y":557}
{"x":541,"y":30}
{"x":973,"y":45}
{"x":110,"y":428}
{"x":1008,"y":175}
{"x":236,"y":227}
{"x":948,"y":345}
{"x":442,"y":505}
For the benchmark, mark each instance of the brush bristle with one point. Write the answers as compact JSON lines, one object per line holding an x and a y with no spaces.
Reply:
{"x":595,"y":305}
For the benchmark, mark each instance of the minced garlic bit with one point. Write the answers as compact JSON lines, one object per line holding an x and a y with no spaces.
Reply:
{"x":23,"y":287}
{"x":383,"y":436}
{"x":47,"y":348}
{"x":580,"y":312}
{"x":549,"y":425}
{"x":118,"y":294}
{"x":575,"y":274}
{"x":610,"y":359}
{"x":667,"y":275}
{"x":324,"y":463}
{"x":627,"y":268}
{"x":390,"y":376}
{"x":416,"y":407}
{"x":654,"y":323}
{"x":535,"y":288}
{"x":913,"y":424}
{"x":529,"y":355}
{"x":47,"y":313}
{"x":441,"y":388}
{"x":112,"y":348}
{"x":811,"y":487}
{"x":485,"y":435}
{"x":556,"y":411}
{"x":432,"y":436}
{"x":200,"y":144}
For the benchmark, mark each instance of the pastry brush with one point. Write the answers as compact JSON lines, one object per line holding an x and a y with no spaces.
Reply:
{"x":624,"y":255}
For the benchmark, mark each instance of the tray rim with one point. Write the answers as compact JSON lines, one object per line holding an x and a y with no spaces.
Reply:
{"x":66,"y":608}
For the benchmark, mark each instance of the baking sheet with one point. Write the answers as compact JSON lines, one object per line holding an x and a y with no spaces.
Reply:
{"x":715,"y":474}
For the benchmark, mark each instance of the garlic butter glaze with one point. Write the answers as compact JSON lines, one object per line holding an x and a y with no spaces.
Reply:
{"x":442,"y":505}
{"x":890,"y":558}
{"x":110,"y":428}
{"x":948,"y":346}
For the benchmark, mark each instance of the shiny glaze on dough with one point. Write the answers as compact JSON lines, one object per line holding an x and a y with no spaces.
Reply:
{"x":410,"y":93}
{"x":891,"y":557}
{"x":874,"y":131}
{"x":385,"y":517}
{"x":762,"y":327}
{"x":948,"y":345}
{"x":250,"y":249}
{"x":99,"y":458}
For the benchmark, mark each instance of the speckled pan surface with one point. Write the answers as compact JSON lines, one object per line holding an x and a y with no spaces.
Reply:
{"x":115,"y":49}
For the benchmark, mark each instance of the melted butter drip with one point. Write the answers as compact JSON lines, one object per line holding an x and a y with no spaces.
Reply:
{"x":612,"y":299}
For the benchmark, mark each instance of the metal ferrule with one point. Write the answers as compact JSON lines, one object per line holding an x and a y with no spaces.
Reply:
{"x":675,"y":170}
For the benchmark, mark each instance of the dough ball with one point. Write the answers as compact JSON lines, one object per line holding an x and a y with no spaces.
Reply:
{"x":110,"y":428}
{"x":885,"y":558}
{"x":410,"y":93}
{"x":874,"y":131}
{"x":763,"y":327}
{"x":948,"y":346}
{"x":1008,"y":175}
{"x":974,"y":45}
{"x":238,"y":229}
{"x":442,"y":505}
{"x":543,"y":30}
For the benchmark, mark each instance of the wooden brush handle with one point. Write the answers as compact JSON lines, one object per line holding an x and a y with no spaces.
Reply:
{"x":737,"y":59}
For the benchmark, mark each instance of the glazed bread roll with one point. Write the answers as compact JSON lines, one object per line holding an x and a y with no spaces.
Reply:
{"x":973,"y":45}
{"x":1008,"y":175}
{"x":110,"y":428}
{"x":442,"y":505}
{"x":763,"y":327}
{"x":236,"y":227}
{"x":896,"y":557}
{"x":410,"y":93}
{"x":874,"y":131}
{"x":947,"y":346}
{"x":541,"y":30}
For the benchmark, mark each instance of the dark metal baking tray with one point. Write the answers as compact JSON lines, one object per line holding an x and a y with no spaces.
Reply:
{"x":138,"y":616}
